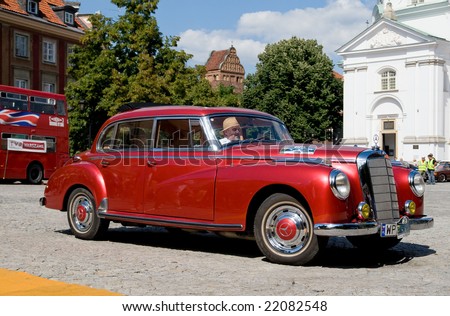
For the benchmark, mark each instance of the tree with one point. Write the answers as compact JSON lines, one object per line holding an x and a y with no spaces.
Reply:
{"x":294,"y":81}
{"x":129,"y":60}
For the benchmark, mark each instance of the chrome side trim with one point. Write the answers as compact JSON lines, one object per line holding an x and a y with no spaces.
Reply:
{"x":346,"y":229}
{"x":103,"y":207}
{"x":421,"y":223}
{"x":167,"y":222}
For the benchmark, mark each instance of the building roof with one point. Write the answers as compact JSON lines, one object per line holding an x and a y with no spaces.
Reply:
{"x":45,"y":10}
{"x":225,"y":61}
{"x":338,"y":75}
{"x":216,"y":58}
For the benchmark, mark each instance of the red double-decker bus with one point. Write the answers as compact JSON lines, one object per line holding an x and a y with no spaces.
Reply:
{"x":34,"y":134}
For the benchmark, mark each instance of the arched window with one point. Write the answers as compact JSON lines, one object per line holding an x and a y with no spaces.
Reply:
{"x":388,"y":81}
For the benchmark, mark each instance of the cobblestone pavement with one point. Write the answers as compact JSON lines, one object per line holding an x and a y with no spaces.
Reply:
{"x":152,"y":261}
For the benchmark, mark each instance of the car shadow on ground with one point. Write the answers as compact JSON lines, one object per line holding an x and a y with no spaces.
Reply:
{"x":338,"y":253}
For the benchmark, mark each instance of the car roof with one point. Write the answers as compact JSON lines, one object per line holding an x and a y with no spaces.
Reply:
{"x":185,"y":110}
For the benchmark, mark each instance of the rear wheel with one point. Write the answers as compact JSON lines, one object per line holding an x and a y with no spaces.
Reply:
{"x":83,"y":220}
{"x":35,"y":173}
{"x":442,"y":178}
{"x":284,"y":231}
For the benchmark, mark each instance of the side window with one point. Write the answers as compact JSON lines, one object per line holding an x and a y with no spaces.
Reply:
{"x":179,"y":134}
{"x":140,"y":135}
{"x":107,"y":140}
{"x":129,"y":135}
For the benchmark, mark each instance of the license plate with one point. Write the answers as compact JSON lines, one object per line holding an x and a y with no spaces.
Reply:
{"x":399,"y":230}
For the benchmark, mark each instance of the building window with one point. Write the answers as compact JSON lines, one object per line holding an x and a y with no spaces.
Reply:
{"x":32,"y":7}
{"x":49,"y":51}
{"x":21,"y":43}
{"x":70,"y":50}
{"x":48,"y":87}
{"x":49,"y":82}
{"x":388,"y":80}
{"x":21,"y":83}
{"x":68,"y":18}
{"x":388,"y":125}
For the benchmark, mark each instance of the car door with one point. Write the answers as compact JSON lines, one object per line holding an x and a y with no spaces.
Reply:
{"x":122,"y":161}
{"x":181,"y":174}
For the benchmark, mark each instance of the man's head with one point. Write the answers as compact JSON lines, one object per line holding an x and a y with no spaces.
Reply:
{"x":231,"y":128}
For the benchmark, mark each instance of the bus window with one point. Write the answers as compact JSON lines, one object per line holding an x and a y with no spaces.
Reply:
{"x":13,"y":101}
{"x":60,"y":107}
{"x":51,"y":142}
{"x":5,"y":137}
{"x":42,"y":105}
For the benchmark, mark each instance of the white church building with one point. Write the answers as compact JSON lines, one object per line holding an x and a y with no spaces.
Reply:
{"x":397,"y":80}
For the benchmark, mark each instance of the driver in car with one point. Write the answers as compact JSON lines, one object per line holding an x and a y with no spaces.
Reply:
{"x":231,"y":130}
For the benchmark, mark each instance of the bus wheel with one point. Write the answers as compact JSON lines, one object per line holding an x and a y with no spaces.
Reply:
{"x":35,"y":173}
{"x":83,"y":220}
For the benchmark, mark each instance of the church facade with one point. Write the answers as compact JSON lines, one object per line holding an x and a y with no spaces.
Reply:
{"x":397,"y":80}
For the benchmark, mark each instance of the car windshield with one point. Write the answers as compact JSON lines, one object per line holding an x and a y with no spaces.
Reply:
{"x":238,"y":129}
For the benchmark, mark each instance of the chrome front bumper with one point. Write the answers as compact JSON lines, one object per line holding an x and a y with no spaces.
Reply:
{"x":366,"y":228}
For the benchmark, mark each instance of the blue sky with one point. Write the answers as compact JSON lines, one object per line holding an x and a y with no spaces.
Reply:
{"x":249,"y":25}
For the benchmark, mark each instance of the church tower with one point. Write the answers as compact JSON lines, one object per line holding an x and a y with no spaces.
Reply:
{"x":224,"y":68}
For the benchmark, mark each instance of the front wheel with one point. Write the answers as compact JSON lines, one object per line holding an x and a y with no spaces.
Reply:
{"x":284,"y":231}
{"x":83,"y":220}
{"x":442,"y":178}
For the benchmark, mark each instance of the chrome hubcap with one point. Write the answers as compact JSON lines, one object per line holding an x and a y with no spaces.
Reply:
{"x":287,"y":229}
{"x":82,"y":213}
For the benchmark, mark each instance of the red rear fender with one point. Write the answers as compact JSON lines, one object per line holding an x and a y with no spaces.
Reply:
{"x":69,"y":177}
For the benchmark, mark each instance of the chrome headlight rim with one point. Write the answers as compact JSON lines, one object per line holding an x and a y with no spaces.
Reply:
{"x":340,"y":185}
{"x":416,"y":183}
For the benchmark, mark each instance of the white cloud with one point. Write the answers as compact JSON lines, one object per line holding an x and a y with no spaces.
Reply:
{"x":332,"y":26}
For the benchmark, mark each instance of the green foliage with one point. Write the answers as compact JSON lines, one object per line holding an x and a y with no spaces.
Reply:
{"x":294,"y":81}
{"x":129,"y":60}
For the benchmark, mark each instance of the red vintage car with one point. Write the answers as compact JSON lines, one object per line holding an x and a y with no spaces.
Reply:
{"x":235,"y":172}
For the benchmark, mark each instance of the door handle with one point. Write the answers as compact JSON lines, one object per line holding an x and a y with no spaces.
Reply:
{"x":104,"y":163}
{"x":151,"y":163}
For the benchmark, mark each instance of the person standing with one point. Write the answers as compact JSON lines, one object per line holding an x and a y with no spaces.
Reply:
{"x":431,"y":164}
{"x":422,"y":167}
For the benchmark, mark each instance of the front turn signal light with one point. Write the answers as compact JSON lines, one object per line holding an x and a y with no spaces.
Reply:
{"x":410,"y":207}
{"x":364,"y":211}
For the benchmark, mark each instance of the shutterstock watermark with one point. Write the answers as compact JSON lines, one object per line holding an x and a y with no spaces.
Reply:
{"x":248,"y":153}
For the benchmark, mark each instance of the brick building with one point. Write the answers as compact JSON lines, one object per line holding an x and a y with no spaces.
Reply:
{"x":36,"y":37}
{"x":224,"y":67}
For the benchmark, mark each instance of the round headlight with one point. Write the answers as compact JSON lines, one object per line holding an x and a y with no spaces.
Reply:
{"x":416,"y":183}
{"x":339,"y":184}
